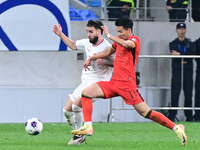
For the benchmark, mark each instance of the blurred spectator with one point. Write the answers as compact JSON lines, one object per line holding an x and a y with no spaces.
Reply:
{"x":81,"y":15}
{"x":181,"y":46}
{"x":119,"y":8}
{"x":176,"y":14}
{"x":196,"y":10}
{"x":197,"y":82}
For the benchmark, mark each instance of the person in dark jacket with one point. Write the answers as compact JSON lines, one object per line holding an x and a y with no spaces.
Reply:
{"x":182,"y":46}
{"x":177,"y":10}
{"x":119,"y":8}
{"x":197,"y":82}
{"x":196,"y":10}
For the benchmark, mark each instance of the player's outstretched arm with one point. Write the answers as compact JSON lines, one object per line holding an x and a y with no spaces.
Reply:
{"x":123,"y":43}
{"x":108,"y":61}
{"x":58,"y":31}
{"x":102,"y":54}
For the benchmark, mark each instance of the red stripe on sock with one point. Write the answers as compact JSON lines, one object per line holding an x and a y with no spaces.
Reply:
{"x":87,"y":108}
{"x":161,"y":119}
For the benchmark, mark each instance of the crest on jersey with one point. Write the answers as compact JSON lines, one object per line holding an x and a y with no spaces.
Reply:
{"x":133,"y":39}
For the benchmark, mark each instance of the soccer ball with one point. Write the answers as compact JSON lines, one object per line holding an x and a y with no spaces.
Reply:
{"x":33,"y":126}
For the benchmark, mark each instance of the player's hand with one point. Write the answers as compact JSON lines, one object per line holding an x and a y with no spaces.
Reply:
{"x":100,"y":62}
{"x":105,"y":29}
{"x":57,"y":29}
{"x":86,"y":64}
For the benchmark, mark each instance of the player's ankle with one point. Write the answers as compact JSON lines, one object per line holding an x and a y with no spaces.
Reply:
{"x":174,"y":129}
{"x":88,"y":123}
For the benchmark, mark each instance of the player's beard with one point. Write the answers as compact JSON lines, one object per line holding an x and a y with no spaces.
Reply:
{"x":94,"y":40}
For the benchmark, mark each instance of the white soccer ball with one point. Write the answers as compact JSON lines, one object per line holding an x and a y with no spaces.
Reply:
{"x":33,"y":126}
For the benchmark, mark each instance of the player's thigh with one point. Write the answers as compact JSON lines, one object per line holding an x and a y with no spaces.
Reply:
{"x":131,"y":97}
{"x":93,"y":91}
{"x":142,"y":108}
{"x":76,"y":95}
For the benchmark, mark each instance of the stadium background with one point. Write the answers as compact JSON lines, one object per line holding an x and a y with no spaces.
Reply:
{"x":35,"y":80}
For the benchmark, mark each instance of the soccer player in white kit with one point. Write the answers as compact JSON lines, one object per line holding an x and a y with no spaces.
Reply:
{"x":100,"y":70}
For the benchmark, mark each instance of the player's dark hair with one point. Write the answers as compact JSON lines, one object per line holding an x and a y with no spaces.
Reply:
{"x":125,"y":21}
{"x":96,"y":24}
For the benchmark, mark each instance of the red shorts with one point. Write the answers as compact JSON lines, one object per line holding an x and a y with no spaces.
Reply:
{"x":109,"y":88}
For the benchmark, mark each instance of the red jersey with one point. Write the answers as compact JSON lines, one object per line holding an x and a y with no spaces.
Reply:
{"x":125,"y":62}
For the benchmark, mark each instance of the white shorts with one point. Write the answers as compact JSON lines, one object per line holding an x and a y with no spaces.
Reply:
{"x":77,"y":92}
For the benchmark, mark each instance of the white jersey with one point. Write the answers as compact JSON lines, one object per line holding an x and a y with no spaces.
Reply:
{"x":96,"y":72}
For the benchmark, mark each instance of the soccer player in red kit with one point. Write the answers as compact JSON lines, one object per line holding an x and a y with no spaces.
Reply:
{"x":123,"y":81}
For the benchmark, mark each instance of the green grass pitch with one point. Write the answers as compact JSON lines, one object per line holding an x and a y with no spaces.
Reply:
{"x":107,"y":136}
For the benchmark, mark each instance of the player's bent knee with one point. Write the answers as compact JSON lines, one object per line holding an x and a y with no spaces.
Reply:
{"x":143,"y":113}
{"x":87,"y":90}
{"x":147,"y":115}
{"x":84,"y":95}
{"x":76,"y":108}
{"x":94,"y":88}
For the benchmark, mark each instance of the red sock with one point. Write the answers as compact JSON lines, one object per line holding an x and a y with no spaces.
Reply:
{"x":161,"y":119}
{"x":87,"y":108}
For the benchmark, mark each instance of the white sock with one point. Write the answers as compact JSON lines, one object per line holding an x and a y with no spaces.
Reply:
{"x":78,"y":116}
{"x":69,"y":115}
{"x":174,"y":129}
{"x":88,"y":123}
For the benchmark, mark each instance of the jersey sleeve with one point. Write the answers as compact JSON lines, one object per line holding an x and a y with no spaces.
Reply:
{"x":107,"y":44}
{"x":114,"y":45}
{"x":135,"y":40}
{"x":173,"y":46}
{"x":80,"y":44}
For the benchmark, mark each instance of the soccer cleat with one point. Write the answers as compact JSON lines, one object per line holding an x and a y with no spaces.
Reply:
{"x":85,"y":130}
{"x":77,"y":140}
{"x":180,"y":132}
